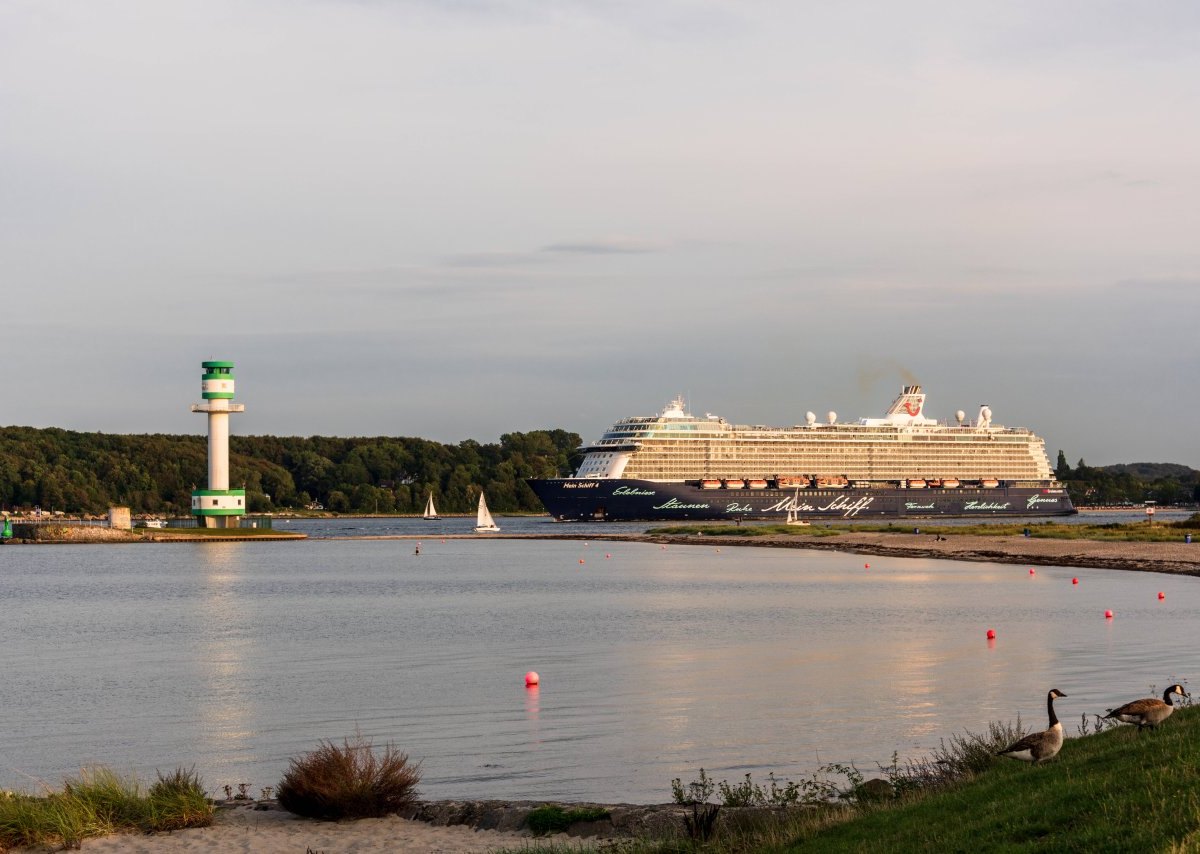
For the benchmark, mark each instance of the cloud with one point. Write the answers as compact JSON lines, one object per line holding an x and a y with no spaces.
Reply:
{"x":606,"y":246}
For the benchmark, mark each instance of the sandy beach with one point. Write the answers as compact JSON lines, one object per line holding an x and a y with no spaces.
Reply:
{"x":274,"y":831}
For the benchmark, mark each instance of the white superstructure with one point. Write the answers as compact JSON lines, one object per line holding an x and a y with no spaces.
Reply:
{"x":903,"y":445}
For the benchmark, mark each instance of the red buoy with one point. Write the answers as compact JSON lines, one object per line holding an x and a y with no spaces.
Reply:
{"x":1074,"y":580}
{"x":531,"y":678}
{"x":606,"y":556}
{"x":866,"y":566}
{"x":1162,"y":595}
{"x":581,"y":560}
{"x":1108,"y":615}
{"x":991,"y":634}
{"x":1032,"y":571}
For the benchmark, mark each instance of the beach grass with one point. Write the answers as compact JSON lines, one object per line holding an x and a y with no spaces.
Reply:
{"x":99,"y":802}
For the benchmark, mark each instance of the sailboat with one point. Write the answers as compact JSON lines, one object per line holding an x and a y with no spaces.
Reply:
{"x":430,"y":510}
{"x":484,"y":523}
{"x":793,"y":517}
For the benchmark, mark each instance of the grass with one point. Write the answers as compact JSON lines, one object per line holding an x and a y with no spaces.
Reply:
{"x":350,"y":781}
{"x":1113,"y":791}
{"x":99,"y":802}
{"x":216,"y":533}
{"x":1171,"y":532}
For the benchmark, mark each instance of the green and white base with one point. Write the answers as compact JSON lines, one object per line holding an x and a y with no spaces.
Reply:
{"x":219,"y":508}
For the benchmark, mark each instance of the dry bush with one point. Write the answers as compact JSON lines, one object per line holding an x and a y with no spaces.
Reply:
{"x":350,"y":781}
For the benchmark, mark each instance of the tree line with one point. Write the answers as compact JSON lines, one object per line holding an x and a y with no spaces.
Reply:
{"x":89,"y":472}
{"x":1128,"y":483}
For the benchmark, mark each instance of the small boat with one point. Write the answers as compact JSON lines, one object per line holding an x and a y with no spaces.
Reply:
{"x":790,"y":482}
{"x":153,"y":523}
{"x":430,"y":510}
{"x":950,"y":483}
{"x":793,"y":514}
{"x":484,"y":523}
{"x":710,"y":483}
{"x":756,"y":483}
{"x":989,"y":483}
{"x":916,"y":483}
{"x":735,"y":483}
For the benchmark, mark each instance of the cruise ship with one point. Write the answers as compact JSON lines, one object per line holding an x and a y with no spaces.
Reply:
{"x":676,"y":466}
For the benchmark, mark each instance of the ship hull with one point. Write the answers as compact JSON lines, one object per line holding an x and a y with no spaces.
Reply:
{"x":601,"y":499}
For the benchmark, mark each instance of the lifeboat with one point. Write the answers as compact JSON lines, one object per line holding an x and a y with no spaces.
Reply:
{"x":916,"y":483}
{"x":989,"y":483}
{"x":933,"y":481}
{"x":710,"y":483}
{"x":735,"y":483}
{"x":756,"y":483}
{"x":791,"y":482}
{"x":950,"y":483}
{"x":837,"y":482}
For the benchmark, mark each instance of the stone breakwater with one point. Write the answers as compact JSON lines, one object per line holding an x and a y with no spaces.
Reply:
{"x":51,"y":533}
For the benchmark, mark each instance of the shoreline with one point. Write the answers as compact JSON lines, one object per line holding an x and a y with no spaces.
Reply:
{"x":1170,"y":558}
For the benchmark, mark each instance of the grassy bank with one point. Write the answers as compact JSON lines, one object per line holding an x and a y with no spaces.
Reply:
{"x":1115,"y":791}
{"x":1137,"y":532}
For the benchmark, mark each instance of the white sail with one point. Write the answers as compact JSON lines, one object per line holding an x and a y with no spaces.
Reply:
{"x":430,"y":510}
{"x":484,"y":523}
{"x":793,"y":514}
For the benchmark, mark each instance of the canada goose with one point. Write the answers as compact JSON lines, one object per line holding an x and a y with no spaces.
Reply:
{"x":1039,"y":746}
{"x":1149,"y":712}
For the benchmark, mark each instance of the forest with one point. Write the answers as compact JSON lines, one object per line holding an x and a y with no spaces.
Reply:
{"x":89,"y":472}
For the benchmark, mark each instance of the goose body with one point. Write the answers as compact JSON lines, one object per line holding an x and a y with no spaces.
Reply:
{"x":1149,"y":712}
{"x":1039,"y":746}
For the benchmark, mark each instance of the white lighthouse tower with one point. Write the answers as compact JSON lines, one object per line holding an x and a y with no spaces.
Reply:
{"x":218,"y":506}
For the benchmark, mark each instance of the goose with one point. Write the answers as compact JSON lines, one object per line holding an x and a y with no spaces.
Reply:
{"x":1039,"y":746}
{"x":1149,"y":712}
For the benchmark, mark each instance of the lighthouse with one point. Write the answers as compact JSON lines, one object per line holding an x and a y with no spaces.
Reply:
{"x":218,"y":506}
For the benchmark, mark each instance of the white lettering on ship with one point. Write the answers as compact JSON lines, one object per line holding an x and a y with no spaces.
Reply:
{"x":912,"y":505}
{"x":849,"y":508}
{"x":1035,"y":500}
{"x":676,"y":504}
{"x":589,"y":485}
{"x":985,"y":505}
{"x":632,"y":490}
{"x":738,"y":508}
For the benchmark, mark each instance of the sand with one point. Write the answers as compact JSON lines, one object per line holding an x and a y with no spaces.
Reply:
{"x":276,"y":832}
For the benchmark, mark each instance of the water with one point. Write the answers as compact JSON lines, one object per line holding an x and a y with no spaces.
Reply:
{"x":654,"y":662}
{"x":344,"y":526}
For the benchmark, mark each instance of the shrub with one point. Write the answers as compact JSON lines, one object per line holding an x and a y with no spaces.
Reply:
{"x":350,"y":781}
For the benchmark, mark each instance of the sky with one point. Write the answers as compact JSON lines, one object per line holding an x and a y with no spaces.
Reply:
{"x":463,"y":218}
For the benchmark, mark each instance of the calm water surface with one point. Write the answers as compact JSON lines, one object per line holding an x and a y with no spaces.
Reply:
{"x":654,"y":662}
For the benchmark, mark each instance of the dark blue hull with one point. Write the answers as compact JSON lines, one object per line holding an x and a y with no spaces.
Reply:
{"x":587,"y":499}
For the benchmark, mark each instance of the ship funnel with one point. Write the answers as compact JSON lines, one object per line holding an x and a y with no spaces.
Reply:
{"x":909,"y":404}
